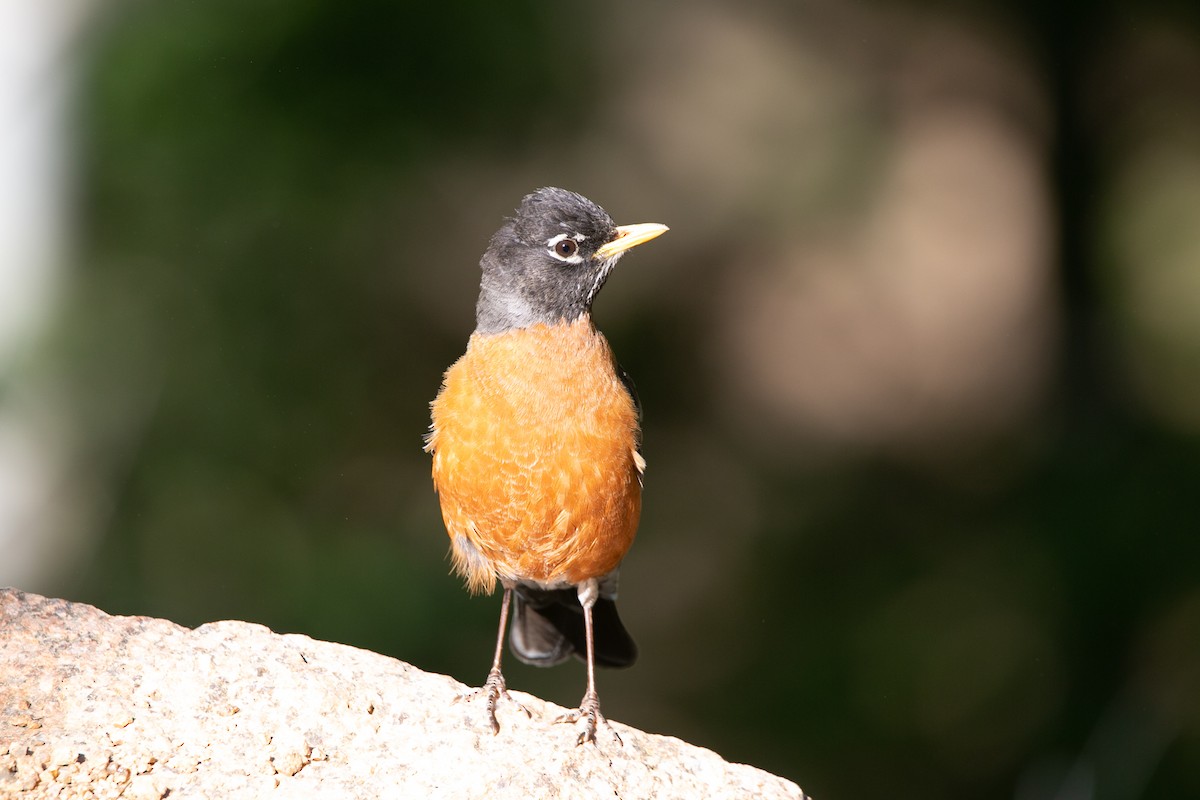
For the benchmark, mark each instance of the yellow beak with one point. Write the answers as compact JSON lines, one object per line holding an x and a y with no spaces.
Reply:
{"x":630,"y":236}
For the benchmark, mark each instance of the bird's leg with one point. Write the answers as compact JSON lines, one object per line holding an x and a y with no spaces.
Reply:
{"x":494,"y":685}
{"x":589,"y":707}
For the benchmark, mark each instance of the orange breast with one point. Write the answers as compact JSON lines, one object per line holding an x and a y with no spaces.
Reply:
{"x":534,"y":443}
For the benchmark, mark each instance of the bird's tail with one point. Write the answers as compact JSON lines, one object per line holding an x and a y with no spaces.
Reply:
{"x":548,"y":628}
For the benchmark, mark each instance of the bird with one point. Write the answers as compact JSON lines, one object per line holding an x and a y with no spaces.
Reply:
{"x":536,"y":445}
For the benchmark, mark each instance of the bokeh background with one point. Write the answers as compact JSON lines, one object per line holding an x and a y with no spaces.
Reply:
{"x":920,"y":356}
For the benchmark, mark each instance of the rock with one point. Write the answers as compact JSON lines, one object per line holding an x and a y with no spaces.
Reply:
{"x":97,"y":706}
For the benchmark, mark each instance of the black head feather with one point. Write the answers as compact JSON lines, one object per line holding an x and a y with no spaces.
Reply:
{"x":540,"y":267}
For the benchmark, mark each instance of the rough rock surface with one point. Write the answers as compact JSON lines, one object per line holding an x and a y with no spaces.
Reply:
{"x":93,"y":705}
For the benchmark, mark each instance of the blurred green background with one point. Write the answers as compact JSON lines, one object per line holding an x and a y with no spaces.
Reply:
{"x":920,"y":356}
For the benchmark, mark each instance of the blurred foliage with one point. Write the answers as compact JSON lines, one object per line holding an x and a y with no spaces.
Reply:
{"x":281,"y":208}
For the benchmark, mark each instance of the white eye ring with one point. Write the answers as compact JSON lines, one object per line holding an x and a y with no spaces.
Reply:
{"x":565,"y":247}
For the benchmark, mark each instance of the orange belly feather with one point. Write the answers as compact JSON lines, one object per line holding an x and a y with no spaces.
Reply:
{"x":535,"y":461}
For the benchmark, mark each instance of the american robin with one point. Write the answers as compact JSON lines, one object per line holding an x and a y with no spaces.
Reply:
{"x":535,"y":442}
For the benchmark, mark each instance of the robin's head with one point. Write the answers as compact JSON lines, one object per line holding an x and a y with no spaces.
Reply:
{"x":548,"y":262}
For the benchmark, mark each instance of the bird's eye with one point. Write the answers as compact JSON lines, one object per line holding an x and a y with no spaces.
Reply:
{"x":566,"y":247}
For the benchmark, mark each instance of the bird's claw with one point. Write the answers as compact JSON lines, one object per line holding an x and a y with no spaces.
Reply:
{"x":495,"y":688}
{"x":589,"y":710}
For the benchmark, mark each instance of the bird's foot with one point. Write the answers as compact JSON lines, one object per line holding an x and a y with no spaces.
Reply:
{"x":589,"y":711}
{"x":495,"y":689}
